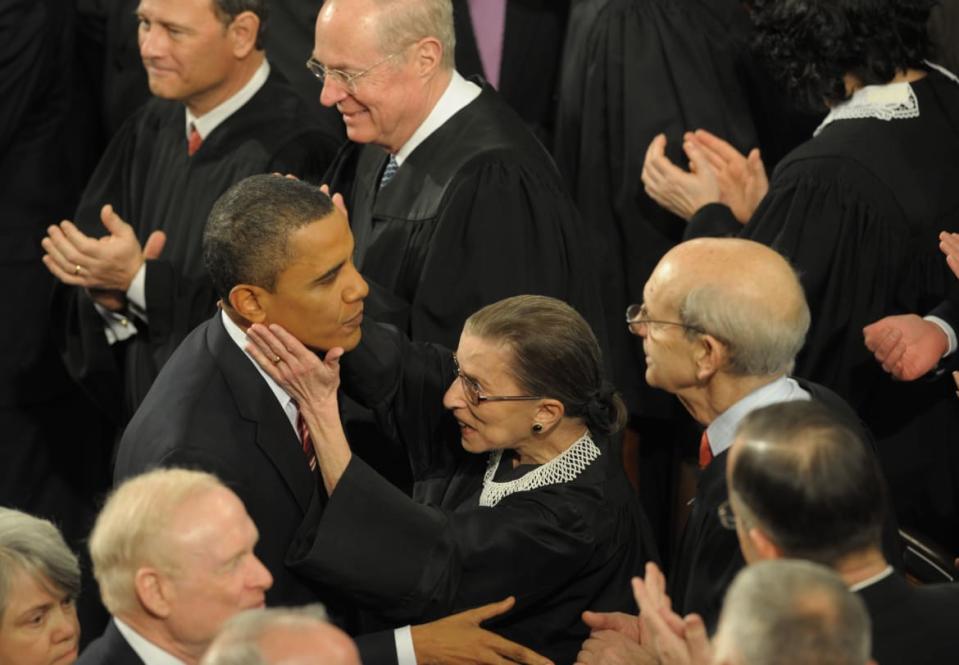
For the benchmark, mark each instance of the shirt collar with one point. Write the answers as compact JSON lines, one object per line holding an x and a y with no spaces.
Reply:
{"x":722,"y":430}
{"x":148,"y":652}
{"x":238,"y":335}
{"x":878,"y":577}
{"x":211,"y":119}
{"x":458,"y":94}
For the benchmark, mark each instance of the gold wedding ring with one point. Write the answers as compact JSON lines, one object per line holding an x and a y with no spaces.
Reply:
{"x":276,"y":360}
{"x":76,"y":271}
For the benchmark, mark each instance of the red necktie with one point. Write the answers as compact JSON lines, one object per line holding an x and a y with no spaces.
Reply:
{"x":305,"y":440}
{"x":195,"y":141}
{"x":705,"y":452}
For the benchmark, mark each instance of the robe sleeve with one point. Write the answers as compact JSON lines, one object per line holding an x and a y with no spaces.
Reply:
{"x":440,"y":562}
{"x":502,"y":231}
{"x":403,"y":383}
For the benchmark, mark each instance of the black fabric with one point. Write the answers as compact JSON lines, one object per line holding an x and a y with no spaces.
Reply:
{"x":111,"y":648}
{"x":709,"y":556}
{"x":857,"y":210}
{"x":532,"y":49}
{"x":633,"y":69}
{"x":559,"y":549}
{"x":912,"y":625}
{"x":153,"y":184}
{"x":476,"y":213}
{"x":210,"y":409}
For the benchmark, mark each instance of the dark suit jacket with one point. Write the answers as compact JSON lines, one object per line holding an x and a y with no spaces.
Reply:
{"x":109,"y":649}
{"x":709,"y":555}
{"x":210,"y":409}
{"x":913,"y":625}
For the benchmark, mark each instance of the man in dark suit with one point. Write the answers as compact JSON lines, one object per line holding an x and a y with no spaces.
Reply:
{"x":722,"y":322}
{"x":173,"y":553}
{"x":802,"y":485}
{"x":278,"y":251}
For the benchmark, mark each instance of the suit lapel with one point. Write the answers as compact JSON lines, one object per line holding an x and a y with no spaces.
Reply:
{"x":257,"y":404}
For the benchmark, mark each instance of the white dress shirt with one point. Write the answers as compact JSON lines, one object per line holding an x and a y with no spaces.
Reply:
{"x":148,"y":652}
{"x":458,"y":94}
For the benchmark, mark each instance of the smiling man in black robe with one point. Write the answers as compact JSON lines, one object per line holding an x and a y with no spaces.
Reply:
{"x":134,"y":284}
{"x":453,"y":203}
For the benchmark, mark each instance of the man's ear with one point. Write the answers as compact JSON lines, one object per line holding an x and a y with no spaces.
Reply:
{"x":711,"y":355}
{"x":154,"y":591}
{"x":250,"y":302}
{"x":243,"y":31}
{"x":763,"y":545}
{"x":427,"y":56}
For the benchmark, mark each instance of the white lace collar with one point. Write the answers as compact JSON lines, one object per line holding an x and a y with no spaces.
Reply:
{"x":892,"y":101}
{"x":561,"y":469}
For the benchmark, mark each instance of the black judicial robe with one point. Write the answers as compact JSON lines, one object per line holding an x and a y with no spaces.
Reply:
{"x":857,"y":210}
{"x":633,"y":69}
{"x":153,"y":184}
{"x":912,"y":625}
{"x":477,"y":213}
{"x":709,"y":556}
{"x":559,"y":549}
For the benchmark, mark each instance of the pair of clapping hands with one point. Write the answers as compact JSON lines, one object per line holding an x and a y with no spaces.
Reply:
{"x":658,"y":636}
{"x":718,"y":173}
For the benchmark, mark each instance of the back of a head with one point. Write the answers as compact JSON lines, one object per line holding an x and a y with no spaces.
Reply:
{"x":555,"y":354}
{"x":246,"y":240}
{"x":809,"y":45}
{"x":133,"y":529}
{"x":806,"y":478}
{"x":281,"y":636}
{"x":746,"y":295}
{"x":35,"y":547}
{"x":791,"y":613}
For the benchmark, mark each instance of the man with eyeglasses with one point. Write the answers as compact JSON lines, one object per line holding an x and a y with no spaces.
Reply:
{"x":722,"y":322}
{"x":453,"y":202}
{"x":132,"y":280}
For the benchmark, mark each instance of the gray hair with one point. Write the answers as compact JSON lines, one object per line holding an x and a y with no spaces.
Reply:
{"x":238,"y":642}
{"x":130,"y":529}
{"x":759,"y":344}
{"x":403,"y":22}
{"x":227,"y":10}
{"x":34,"y":546}
{"x":791,"y":612}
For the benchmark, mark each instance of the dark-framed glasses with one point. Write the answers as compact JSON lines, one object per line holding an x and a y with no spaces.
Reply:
{"x":727,"y":518}
{"x":474,"y":394}
{"x":342,"y":77}
{"x":636,"y":316}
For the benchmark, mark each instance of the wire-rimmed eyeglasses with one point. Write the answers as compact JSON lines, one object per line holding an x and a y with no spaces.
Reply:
{"x":474,"y":394}
{"x":636,"y":316}
{"x":342,"y":77}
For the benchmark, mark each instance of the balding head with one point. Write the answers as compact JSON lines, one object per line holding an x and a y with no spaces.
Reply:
{"x":739,"y":291}
{"x":282,"y":636}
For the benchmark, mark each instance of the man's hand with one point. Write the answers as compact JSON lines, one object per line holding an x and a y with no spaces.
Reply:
{"x":906,"y":345}
{"x":459,"y":640}
{"x":674,"y":640}
{"x":625,"y":624}
{"x":101,"y":265}
{"x":610,"y":647}
{"x":337,"y":199}
{"x":949,"y":245}
{"x":681,"y":192}
{"x":742,"y":179}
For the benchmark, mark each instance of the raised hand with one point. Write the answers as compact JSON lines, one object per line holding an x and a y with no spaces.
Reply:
{"x":742,"y":179}
{"x":906,"y":345}
{"x":681,"y":192}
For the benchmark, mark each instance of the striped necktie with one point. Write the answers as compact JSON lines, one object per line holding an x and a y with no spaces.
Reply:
{"x":391,"y":168}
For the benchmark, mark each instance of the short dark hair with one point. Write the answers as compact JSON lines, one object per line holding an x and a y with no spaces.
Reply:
{"x":809,"y":481}
{"x":227,"y":10}
{"x":555,"y":355}
{"x":808,"y":45}
{"x":246,"y":240}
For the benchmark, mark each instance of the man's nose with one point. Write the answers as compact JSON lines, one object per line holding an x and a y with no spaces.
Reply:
{"x":333,"y":92}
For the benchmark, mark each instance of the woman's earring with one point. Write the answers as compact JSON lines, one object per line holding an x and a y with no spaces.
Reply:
{"x":537,"y":428}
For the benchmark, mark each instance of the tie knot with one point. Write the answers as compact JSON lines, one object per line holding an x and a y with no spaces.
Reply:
{"x":195,"y":141}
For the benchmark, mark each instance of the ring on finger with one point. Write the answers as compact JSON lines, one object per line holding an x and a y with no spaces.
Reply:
{"x":276,"y":359}
{"x":76,"y":271}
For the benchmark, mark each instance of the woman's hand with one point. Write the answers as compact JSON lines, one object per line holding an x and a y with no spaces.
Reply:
{"x":299,"y":371}
{"x":742,"y":179}
{"x":681,"y":192}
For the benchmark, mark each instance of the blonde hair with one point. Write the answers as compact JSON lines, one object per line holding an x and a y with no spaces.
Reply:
{"x":130,"y":530}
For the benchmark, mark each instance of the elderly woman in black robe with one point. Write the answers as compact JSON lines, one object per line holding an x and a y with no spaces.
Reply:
{"x":858,"y":210}
{"x":517,"y":488}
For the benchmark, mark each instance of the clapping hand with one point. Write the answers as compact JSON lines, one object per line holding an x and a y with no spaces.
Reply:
{"x":681,"y":192}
